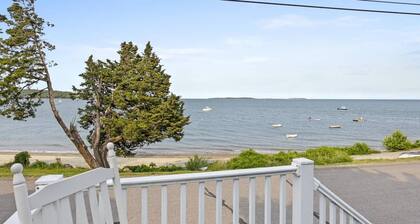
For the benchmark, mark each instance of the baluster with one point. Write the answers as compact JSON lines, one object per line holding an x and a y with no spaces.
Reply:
{"x":282,"y":200}
{"x":322,"y":209}
{"x":201,"y":203}
{"x":64,"y":213}
{"x":144,"y":212}
{"x":333,"y":213}
{"x":94,"y":208}
{"x":164,"y":204}
{"x":183,"y":204}
{"x":219,"y":201}
{"x":267,"y":200}
{"x":235,"y":201}
{"x":81,"y":216}
{"x":352,"y":221}
{"x":251,"y":200}
{"x":342,"y":217}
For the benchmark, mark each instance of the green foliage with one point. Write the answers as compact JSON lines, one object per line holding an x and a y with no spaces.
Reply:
{"x":249,"y":159}
{"x":23,"y":63}
{"x":22,"y":158}
{"x":416,"y":144}
{"x":196,"y":163}
{"x":326,"y":155}
{"x":217,"y":165}
{"x":129,"y":101}
{"x":359,"y":149}
{"x":39,"y":164}
{"x":153,"y":168}
{"x":397,"y":141}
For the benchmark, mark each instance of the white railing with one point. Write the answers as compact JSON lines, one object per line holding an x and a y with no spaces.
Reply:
{"x":346,"y":214}
{"x":300,"y":177}
{"x":301,"y":171}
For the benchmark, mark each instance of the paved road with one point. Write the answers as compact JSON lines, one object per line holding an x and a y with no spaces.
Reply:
{"x":385,"y":194}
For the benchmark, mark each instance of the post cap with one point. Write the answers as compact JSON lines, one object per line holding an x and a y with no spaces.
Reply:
{"x":302,"y":161}
{"x":110,"y":146}
{"x":16,"y":168}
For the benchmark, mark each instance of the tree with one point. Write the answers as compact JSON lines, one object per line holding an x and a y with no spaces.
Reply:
{"x":128,"y":102}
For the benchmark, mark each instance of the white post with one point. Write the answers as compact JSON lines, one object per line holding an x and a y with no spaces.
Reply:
{"x":119,"y":194}
{"x":20,"y":190}
{"x":303,"y":195}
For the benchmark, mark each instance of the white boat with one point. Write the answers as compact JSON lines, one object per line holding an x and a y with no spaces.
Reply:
{"x":276,"y":125}
{"x":207,"y":109}
{"x":291,"y":135}
{"x":335,"y":126}
{"x":360,"y":119}
{"x":342,"y":108}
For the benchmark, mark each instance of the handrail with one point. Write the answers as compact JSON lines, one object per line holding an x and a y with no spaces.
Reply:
{"x":318,"y":186}
{"x":199,"y":177}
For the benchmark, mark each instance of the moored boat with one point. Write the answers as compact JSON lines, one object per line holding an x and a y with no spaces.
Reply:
{"x":335,"y":126}
{"x":276,"y":125}
{"x":207,"y":109}
{"x":291,"y":135}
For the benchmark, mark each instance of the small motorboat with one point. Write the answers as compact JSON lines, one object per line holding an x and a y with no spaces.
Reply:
{"x":291,"y":136}
{"x":207,"y":109}
{"x":342,"y":108}
{"x":360,"y":119}
{"x":276,"y":125}
{"x":335,"y":126}
{"x":314,"y":119}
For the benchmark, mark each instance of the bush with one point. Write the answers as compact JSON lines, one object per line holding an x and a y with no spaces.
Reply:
{"x":397,"y":141}
{"x":359,"y":149}
{"x":284,"y":158}
{"x":196,"y":163}
{"x":152,"y":168}
{"x":39,"y":164}
{"x":416,"y":144}
{"x":216,"y":166}
{"x":22,"y":158}
{"x":326,"y":155}
{"x":249,"y":159}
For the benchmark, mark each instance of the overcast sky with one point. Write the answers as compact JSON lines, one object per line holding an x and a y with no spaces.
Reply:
{"x":220,"y":49}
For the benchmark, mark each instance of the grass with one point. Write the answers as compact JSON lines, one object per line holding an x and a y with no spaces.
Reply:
{"x":37,"y":172}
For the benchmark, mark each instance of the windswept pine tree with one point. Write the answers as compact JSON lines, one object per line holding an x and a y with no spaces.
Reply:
{"x":128,"y":101}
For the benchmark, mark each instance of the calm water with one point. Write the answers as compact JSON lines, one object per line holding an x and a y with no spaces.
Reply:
{"x":235,"y":124}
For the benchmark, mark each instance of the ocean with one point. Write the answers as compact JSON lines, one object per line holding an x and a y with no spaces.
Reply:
{"x":237,"y":124}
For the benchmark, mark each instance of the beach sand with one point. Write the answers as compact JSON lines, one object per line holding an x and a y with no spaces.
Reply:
{"x":76,"y":159}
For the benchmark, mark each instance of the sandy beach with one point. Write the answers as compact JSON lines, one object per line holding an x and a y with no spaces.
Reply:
{"x":76,"y":160}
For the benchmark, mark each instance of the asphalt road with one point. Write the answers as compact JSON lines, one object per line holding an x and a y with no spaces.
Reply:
{"x":385,"y":194}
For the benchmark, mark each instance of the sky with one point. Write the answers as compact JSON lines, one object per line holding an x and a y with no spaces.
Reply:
{"x":214,"y":48}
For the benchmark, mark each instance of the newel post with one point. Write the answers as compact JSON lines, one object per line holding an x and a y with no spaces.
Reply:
{"x":20,"y":190}
{"x":303,"y":195}
{"x":120,"y":195}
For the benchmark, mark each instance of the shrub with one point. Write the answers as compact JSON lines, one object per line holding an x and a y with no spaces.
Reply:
{"x":196,"y":163}
{"x":284,"y":158}
{"x":397,"y":141}
{"x":152,"y":168}
{"x":359,"y":149}
{"x":22,"y":158}
{"x":217,"y":165}
{"x":39,"y":164}
{"x":326,"y":155}
{"x":416,"y":144}
{"x":249,"y":159}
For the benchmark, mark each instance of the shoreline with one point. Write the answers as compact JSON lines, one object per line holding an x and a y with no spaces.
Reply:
{"x":76,"y":160}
